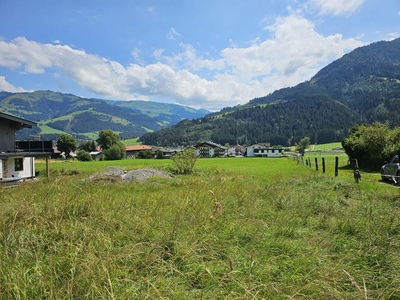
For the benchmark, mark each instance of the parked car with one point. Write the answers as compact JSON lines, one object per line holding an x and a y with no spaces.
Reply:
{"x":391,"y":170}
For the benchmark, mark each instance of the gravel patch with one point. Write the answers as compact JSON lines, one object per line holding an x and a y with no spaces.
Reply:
{"x":117,"y":174}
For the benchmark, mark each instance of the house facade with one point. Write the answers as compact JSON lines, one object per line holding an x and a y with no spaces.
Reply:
{"x":164,"y":152}
{"x":210,"y":149}
{"x":263,"y":150}
{"x":17,"y":158}
{"x":237,"y":150}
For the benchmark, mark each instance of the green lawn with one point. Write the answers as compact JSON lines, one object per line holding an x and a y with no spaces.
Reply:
{"x":131,"y":142}
{"x":237,"y":228}
{"x":326,"y":147}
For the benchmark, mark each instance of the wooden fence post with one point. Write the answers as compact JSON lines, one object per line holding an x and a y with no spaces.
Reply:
{"x":316,"y":164}
{"x":47,"y":167}
{"x":336,"y":166}
{"x":355,"y":164}
{"x":356,"y":172}
{"x":323,"y":165}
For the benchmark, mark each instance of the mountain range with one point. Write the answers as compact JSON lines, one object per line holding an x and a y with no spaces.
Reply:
{"x":361,"y":87}
{"x":58,"y":113}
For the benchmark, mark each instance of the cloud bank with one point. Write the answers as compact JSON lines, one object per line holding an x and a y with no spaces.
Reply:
{"x":337,"y":7}
{"x":294,"y":53}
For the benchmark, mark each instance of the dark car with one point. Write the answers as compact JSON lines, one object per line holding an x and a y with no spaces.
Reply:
{"x":391,"y":170}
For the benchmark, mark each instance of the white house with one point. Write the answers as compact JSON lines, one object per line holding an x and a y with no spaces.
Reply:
{"x":210,"y":149}
{"x":263,"y":150}
{"x":17,"y":159}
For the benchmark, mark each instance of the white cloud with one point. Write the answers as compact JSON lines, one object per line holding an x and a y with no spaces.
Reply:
{"x":232,"y":43}
{"x":337,"y":7}
{"x":8,"y":87}
{"x":172,"y":34}
{"x":136,"y":55}
{"x":158,"y":53}
{"x":392,"y":36}
{"x":293,"y":54}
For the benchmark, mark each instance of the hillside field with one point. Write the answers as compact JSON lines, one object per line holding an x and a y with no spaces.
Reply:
{"x":238,"y":228}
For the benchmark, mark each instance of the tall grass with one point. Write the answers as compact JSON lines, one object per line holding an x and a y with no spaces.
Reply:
{"x":235,"y":229}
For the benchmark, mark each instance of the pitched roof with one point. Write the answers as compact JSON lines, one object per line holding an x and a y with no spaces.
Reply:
{"x":137,"y":148}
{"x":210,"y":144}
{"x":21,"y":123}
{"x":261,"y":144}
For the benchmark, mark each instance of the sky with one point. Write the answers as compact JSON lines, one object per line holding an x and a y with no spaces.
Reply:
{"x":204,"y":54}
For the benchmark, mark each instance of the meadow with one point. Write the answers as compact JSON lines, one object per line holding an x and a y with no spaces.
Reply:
{"x":237,"y":228}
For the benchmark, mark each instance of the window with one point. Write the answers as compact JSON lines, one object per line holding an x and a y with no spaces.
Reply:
{"x":19,"y":166}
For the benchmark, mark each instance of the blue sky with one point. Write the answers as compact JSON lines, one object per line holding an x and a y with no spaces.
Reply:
{"x":205,"y":54}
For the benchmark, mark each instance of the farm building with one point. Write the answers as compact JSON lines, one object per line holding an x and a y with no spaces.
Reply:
{"x":132,"y":151}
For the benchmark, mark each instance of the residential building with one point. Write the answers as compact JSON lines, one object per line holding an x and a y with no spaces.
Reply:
{"x":263,"y":150}
{"x":210,"y":149}
{"x":164,"y":152}
{"x":17,"y":158}
{"x":237,"y":150}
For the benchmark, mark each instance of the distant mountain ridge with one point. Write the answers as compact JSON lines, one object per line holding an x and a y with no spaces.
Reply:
{"x":58,"y":113}
{"x":362,"y":86}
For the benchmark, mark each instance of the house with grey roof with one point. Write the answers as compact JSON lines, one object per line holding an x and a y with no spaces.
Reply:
{"x":17,"y":158}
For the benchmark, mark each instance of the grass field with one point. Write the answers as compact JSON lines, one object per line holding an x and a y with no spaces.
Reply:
{"x":326,"y":147}
{"x":238,"y":228}
{"x":131,"y":142}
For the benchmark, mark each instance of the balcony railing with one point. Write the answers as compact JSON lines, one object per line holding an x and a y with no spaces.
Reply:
{"x":34,"y":146}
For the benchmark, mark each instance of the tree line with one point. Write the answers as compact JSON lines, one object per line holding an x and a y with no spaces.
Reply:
{"x":110,"y":143}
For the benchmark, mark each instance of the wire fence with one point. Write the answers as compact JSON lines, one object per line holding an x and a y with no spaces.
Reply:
{"x":335,"y":163}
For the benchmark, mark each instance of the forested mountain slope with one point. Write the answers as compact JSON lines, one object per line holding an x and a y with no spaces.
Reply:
{"x":280,"y":123}
{"x":367,"y":80}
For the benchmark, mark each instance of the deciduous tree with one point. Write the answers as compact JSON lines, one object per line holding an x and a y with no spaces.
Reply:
{"x":66,"y":143}
{"x":88,"y":146}
{"x":303,"y":145}
{"x":107,"y":139}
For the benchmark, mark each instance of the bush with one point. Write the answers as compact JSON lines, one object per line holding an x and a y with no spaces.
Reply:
{"x":115,"y":152}
{"x":184,"y":161}
{"x":145,"y":154}
{"x":83,"y":155}
{"x":372,"y":144}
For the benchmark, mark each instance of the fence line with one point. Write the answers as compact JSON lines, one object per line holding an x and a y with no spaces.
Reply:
{"x":357,"y":174}
{"x":306,"y":161}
